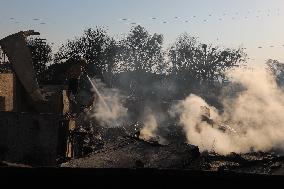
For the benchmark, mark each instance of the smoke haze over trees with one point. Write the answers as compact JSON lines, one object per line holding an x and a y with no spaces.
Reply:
{"x":95,"y":46}
{"x":201,"y":61}
{"x":140,"y":51}
{"x":140,"y":64}
{"x":277,"y":69}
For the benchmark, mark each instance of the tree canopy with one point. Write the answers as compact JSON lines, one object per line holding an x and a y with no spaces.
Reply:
{"x":95,"y":46}
{"x":140,"y":51}
{"x":201,"y":61}
{"x":139,"y":59}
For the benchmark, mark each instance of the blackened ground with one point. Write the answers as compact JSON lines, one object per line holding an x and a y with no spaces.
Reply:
{"x":130,"y":152}
{"x":118,"y":149}
{"x":250,"y":163}
{"x":125,"y":151}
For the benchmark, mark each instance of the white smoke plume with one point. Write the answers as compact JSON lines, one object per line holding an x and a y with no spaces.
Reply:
{"x":149,"y":131}
{"x":256,"y":114}
{"x":109,"y":111}
{"x":151,"y":125}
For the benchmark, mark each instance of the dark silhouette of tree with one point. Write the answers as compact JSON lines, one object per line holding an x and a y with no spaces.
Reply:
{"x":111,"y":54}
{"x":41,"y":56}
{"x":202,"y":62}
{"x":139,"y":63}
{"x":95,"y":46}
{"x":140,"y":51}
{"x":276,"y":68}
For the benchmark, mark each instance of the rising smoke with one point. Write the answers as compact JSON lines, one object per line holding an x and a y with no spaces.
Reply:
{"x":152,"y":122}
{"x":252,"y":116}
{"x":255,"y":113}
{"x":108,"y":110}
{"x":149,"y":131}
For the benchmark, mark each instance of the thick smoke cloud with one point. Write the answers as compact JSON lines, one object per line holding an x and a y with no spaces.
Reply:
{"x":255,"y":113}
{"x":251,"y":118}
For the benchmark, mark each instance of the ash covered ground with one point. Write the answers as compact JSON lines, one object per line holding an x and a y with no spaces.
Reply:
{"x":204,"y":133}
{"x":119,"y":149}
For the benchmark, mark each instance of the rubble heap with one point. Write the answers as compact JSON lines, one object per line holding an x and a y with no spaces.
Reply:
{"x":131,"y":152}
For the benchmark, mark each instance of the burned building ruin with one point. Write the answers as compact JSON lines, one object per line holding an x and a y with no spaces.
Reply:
{"x":33,"y":128}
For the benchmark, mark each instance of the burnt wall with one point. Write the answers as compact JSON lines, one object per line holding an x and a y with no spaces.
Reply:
{"x":13,"y":97}
{"x":34,"y":139}
{"x":12,"y":94}
{"x":7,"y":91}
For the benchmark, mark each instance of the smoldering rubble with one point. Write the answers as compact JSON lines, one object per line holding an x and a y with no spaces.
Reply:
{"x":245,"y":136}
{"x":253,"y":119}
{"x":124,"y":151}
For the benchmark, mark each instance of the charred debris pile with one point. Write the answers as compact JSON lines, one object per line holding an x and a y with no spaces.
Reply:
{"x":150,"y":138}
{"x":121,"y":148}
{"x":165,"y":146}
